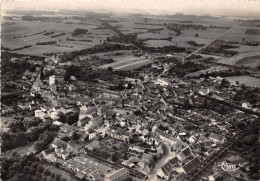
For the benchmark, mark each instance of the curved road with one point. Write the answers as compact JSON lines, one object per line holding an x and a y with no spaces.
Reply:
{"x":167,"y":155}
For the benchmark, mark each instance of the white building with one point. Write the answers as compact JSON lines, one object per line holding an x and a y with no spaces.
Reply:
{"x":52,"y":80}
{"x":161,"y":82}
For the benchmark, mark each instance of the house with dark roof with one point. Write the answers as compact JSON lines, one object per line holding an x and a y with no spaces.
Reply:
{"x":62,"y":149}
{"x":194,"y":163}
{"x":184,"y":154}
{"x":216,"y":138}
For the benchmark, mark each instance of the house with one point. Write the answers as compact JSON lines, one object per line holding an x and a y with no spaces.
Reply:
{"x":91,"y":146}
{"x":52,"y":80}
{"x":246,"y":105}
{"x":62,"y":149}
{"x":91,"y":134}
{"x":80,"y":176}
{"x":163,"y":174}
{"x":83,"y":136}
{"x":136,"y":151}
{"x":121,"y":174}
{"x":161,"y":82}
{"x":118,"y":133}
{"x":165,"y":171}
{"x":194,"y":163}
{"x":216,"y":138}
{"x":130,"y":162}
{"x":165,"y":137}
{"x":96,"y":175}
{"x":204,"y":91}
{"x":184,"y":154}
{"x":49,"y":156}
{"x":159,"y":149}
{"x":192,"y":139}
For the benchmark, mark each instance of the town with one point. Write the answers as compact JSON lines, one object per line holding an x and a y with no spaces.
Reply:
{"x":132,"y":99}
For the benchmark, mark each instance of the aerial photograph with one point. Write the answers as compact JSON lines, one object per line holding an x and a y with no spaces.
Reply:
{"x":130,"y":90}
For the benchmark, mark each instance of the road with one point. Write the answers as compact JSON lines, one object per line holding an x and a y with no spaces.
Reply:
{"x":212,"y":41}
{"x":167,"y":155}
{"x":199,"y":49}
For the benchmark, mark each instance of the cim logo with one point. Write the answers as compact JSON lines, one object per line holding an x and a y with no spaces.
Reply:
{"x":228,"y":167}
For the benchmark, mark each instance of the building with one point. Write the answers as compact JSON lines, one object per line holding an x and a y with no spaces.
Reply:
{"x":216,"y":138}
{"x":118,"y":175}
{"x":52,"y":80}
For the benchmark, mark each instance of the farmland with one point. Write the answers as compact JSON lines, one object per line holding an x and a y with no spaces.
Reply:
{"x":59,"y":31}
{"x":248,"y":81}
{"x":248,"y":59}
{"x":56,"y":34}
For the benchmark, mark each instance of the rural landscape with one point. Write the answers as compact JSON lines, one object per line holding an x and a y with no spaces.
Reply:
{"x":110,"y":96}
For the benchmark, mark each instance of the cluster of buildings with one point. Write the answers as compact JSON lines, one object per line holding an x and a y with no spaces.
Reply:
{"x":155,"y":115}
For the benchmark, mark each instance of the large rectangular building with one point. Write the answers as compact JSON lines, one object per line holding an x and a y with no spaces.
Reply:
{"x":118,"y":175}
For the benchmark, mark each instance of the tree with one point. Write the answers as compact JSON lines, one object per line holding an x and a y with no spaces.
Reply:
{"x":110,"y":68}
{"x":114,"y":157}
{"x":35,"y":165}
{"x":75,"y":136}
{"x":40,"y":169}
{"x":39,"y":146}
{"x":47,"y":172}
{"x":58,"y":177}
{"x":21,"y":138}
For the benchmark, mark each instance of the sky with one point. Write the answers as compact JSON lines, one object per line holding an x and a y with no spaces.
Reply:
{"x":241,"y":8}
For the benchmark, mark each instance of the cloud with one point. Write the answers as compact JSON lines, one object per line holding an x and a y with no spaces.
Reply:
{"x":198,"y":7}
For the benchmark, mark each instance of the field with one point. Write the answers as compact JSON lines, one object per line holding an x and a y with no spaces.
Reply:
{"x":239,"y":33}
{"x":251,"y":59}
{"x":24,"y":28}
{"x":252,"y":32}
{"x":126,"y":62}
{"x":246,"y":48}
{"x":158,"y":43}
{"x":248,"y":81}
